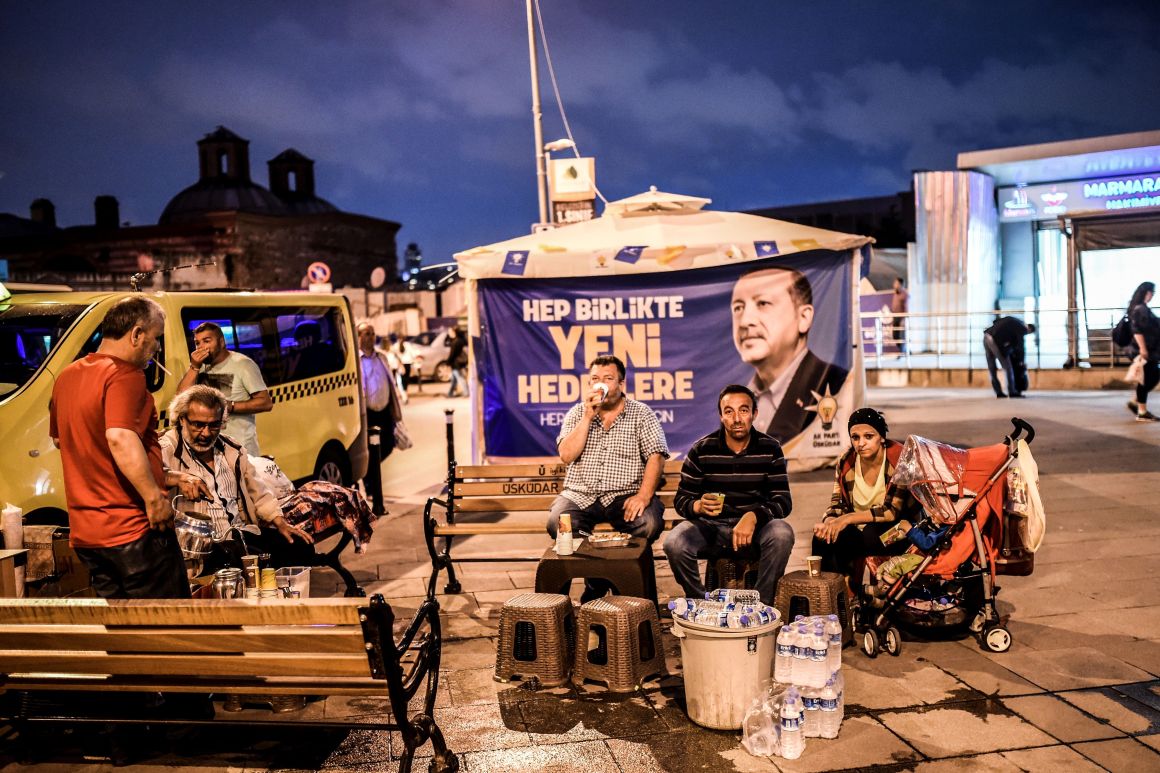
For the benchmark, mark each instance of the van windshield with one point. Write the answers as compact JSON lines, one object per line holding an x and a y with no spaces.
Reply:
{"x":28,"y":334}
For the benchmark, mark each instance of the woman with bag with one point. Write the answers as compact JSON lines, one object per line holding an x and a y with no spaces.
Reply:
{"x":1146,"y":343}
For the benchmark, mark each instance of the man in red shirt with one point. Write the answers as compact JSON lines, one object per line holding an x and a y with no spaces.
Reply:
{"x":103,"y":419}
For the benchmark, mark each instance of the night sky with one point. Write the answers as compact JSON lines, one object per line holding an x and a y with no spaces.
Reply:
{"x":419,"y":112}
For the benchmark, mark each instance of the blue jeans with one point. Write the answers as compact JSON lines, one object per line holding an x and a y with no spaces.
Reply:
{"x":458,"y":382}
{"x":649,"y":524}
{"x":712,"y":538}
{"x":998,"y":357}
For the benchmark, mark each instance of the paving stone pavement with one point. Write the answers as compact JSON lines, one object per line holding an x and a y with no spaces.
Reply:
{"x":1079,"y":690}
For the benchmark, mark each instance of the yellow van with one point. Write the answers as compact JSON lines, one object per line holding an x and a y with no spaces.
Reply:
{"x":317,"y":428}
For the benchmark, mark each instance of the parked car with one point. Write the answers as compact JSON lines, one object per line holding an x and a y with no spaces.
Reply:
{"x":430,"y":358}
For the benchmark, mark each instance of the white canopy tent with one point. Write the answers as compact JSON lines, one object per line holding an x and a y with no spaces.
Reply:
{"x":675,"y":230}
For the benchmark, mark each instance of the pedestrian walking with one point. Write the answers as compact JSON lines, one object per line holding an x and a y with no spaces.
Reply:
{"x":457,"y":359}
{"x":1003,"y":346}
{"x":899,"y":305}
{"x":1146,"y":345}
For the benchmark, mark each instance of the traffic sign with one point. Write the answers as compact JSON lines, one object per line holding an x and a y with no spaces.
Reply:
{"x":318,"y":272}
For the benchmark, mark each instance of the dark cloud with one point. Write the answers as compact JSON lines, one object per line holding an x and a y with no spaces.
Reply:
{"x":420,"y":112}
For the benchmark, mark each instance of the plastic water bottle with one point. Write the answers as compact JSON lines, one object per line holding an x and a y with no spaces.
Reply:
{"x":811,"y":711}
{"x":736,"y":619}
{"x":819,"y":651}
{"x":801,"y":654}
{"x":760,"y":732}
{"x":682,"y":608}
{"x":793,"y":742}
{"x":834,"y":651}
{"x":734,"y":596}
{"x":783,"y":662}
{"x":831,"y":719}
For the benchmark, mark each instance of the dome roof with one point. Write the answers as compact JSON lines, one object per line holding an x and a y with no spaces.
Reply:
{"x":312,"y":205}
{"x":221,"y":195}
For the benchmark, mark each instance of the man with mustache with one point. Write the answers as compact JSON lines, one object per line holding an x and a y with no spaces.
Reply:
{"x":734,"y":495}
{"x":773,"y":310}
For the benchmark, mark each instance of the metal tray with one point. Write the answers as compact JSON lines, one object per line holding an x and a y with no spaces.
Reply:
{"x":611,"y":541}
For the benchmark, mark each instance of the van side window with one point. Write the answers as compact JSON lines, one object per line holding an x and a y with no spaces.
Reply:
{"x":311,"y":342}
{"x":288,"y":343}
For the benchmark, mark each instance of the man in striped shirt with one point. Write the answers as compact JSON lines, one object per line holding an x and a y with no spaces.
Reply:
{"x":748,"y":468}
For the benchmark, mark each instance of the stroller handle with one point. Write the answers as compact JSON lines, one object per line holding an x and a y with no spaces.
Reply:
{"x":1021,"y":427}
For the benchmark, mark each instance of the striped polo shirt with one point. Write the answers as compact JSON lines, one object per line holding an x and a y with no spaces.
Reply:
{"x":753,"y":480}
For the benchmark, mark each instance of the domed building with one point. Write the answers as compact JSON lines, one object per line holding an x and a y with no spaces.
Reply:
{"x":254,"y":236}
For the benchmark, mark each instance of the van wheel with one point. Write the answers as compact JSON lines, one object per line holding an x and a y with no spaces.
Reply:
{"x":443,"y":372}
{"x":333,"y":467}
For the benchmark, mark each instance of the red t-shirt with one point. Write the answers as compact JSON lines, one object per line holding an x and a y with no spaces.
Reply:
{"x":91,"y":395}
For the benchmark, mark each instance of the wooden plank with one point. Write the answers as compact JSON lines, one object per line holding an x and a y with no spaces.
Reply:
{"x":524,"y":504}
{"x":185,"y":612}
{"x":506,"y":527}
{"x":545,"y":470}
{"x":26,"y":661}
{"x":511,"y":488}
{"x":322,"y":641}
{"x":464,"y":471}
{"x":257,"y":686}
{"x":516,"y":489}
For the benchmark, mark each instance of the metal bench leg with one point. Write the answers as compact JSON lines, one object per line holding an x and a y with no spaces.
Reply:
{"x":444,"y":760}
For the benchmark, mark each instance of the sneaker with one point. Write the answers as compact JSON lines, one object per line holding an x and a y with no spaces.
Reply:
{"x":1134,"y":407}
{"x":1147,"y":416}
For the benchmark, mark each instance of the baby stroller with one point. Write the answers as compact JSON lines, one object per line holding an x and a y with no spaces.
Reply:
{"x":968,"y":534}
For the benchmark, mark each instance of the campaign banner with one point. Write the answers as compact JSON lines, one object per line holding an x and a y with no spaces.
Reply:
{"x":781,"y":326}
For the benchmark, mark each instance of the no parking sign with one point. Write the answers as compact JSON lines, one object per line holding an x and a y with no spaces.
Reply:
{"x":318,"y":272}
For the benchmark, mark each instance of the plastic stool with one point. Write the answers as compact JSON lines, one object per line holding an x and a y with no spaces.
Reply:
{"x":536,"y":638}
{"x":800,"y":594}
{"x":730,"y":572}
{"x":627,"y":638}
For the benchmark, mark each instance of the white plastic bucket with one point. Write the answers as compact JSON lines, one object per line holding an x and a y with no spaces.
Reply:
{"x":724,"y":669}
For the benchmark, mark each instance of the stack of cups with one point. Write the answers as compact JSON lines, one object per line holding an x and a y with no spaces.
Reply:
{"x":564,"y":535}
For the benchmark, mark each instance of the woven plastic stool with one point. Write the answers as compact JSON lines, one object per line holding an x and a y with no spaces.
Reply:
{"x":800,"y":594}
{"x":618,"y":642}
{"x":730,"y":572}
{"x":536,"y":638}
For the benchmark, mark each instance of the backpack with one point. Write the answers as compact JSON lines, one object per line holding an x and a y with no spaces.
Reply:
{"x":1122,"y":332}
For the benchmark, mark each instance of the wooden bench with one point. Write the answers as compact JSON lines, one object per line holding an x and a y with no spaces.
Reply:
{"x":504,"y":499}
{"x":242,"y":647}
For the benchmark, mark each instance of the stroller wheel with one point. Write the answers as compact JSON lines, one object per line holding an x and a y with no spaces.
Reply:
{"x":997,"y":639}
{"x":892,"y":642}
{"x":870,"y":643}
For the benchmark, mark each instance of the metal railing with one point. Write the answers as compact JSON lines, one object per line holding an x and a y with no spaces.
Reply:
{"x":955,"y":339}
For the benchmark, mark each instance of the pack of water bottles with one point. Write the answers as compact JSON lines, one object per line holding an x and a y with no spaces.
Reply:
{"x":809,"y":651}
{"x":780,"y":720}
{"x":725,"y":608}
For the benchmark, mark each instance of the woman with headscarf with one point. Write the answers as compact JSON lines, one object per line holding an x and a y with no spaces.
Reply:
{"x":865,"y":503}
{"x":1146,"y":342}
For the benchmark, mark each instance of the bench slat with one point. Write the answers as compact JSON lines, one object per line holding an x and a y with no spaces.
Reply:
{"x":322,"y":641}
{"x":523,"y":504}
{"x":257,"y":686}
{"x":186,"y":612}
{"x":507,"y":527}
{"x":25,"y":661}
{"x":544,"y":470}
{"x":524,"y":488}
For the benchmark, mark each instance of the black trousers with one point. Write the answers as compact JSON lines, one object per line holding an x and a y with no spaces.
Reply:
{"x":148,"y":568}
{"x":853,"y":544}
{"x":1151,"y":379}
{"x":282,"y":553}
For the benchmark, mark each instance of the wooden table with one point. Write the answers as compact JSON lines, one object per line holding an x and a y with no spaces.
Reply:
{"x":628,"y":568}
{"x":9,"y":560}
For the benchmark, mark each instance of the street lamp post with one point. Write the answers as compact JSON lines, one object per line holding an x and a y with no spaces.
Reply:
{"x":537,"y":117}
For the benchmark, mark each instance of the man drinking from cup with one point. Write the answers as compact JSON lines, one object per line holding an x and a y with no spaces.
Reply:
{"x":615,"y":450}
{"x":734,"y":495}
